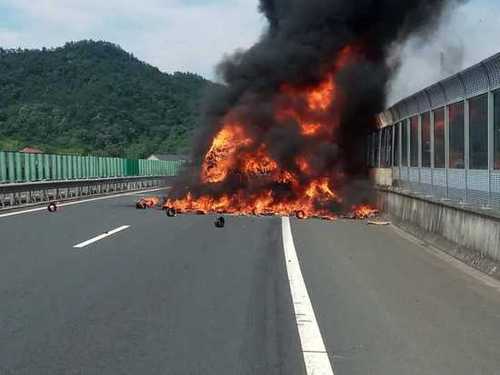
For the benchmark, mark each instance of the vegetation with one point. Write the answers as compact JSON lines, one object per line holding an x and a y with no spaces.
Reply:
{"x":94,"y":98}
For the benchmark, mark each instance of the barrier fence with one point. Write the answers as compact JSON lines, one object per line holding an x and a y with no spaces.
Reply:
{"x":444,"y":141}
{"x":17,"y":167}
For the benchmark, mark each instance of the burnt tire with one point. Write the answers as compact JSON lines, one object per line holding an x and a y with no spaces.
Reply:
{"x":220,"y":222}
{"x":300,"y":214}
{"x":171,"y":212}
{"x":52,"y":207}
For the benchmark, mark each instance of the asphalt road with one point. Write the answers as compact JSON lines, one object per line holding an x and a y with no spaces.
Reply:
{"x":178,"y":296}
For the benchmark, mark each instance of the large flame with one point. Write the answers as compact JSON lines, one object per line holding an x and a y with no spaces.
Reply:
{"x":261,"y":184}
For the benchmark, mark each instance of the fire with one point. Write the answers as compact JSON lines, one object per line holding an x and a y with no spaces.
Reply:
{"x":320,"y":187}
{"x":259,"y":163}
{"x":239,"y":175}
{"x":221,"y":155}
{"x":310,"y":128}
{"x":363,"y":212}
{"x":148,"y":202}
{"x":321,"y":97}
{"x":303,"y":165}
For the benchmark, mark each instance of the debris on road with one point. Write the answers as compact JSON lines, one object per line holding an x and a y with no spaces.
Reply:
{"x":300,"y":214}
{"x":52,"y":207}
{"x":362,"y":212}
{"x":378,"y":222}
{"x":147,"y":202}
{"x":220,"y":222}
{"x":171,"y":212}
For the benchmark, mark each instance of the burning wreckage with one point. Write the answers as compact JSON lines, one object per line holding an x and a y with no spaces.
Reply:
{"x":284,"y":133}
{"x":247,"y":169}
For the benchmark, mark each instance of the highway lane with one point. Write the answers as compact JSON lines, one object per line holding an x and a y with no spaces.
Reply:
{"x":178,"y":296}
{"x":387,"y":306}
{"x":170,"y":296}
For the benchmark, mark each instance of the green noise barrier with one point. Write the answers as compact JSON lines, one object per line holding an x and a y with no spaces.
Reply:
{"x":18,"y":167}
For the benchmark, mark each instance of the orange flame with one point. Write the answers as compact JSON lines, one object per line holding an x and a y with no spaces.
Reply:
{"x":220,"y":158}
{"x":363,"y":212}
{"x":321,"y":97}
{"x":276,"y":189}
{"x":310,"y":128}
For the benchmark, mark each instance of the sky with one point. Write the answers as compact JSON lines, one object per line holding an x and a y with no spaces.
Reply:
{"x":471,"y":30}
{"x":194,"y":35}
{"x":174,"y":35}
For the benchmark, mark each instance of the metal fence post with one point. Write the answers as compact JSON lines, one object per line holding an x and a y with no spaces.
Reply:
{"x":466,"y":148}
{"x":419,"y":146}
{"x":432,"y":129}
{"x":446,"y":145}
{"x":491,"y":143}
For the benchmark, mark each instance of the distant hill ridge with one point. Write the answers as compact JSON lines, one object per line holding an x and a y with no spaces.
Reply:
{"x":94,"y":97}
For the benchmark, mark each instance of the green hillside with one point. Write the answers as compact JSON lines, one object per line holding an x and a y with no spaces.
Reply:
{"x":94,"y":98}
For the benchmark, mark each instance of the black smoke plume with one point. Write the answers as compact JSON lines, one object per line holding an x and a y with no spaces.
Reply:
{"x":302,"y":41}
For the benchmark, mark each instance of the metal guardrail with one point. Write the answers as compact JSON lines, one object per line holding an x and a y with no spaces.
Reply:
{"x":16,"y":195}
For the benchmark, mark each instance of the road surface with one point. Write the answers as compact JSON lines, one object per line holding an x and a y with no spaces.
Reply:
{"x":179,"y":296}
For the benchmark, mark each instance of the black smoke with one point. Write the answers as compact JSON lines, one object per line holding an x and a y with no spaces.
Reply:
{"x":303,"y":39}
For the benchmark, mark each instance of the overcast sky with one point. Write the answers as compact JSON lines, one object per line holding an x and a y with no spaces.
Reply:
{"x":473,"y":28}
{"x":174,"y":35}
{"x":193,"y":35}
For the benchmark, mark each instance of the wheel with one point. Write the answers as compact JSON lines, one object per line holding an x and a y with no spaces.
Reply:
{"x":300,"y":214}
{"x":220,"y":222}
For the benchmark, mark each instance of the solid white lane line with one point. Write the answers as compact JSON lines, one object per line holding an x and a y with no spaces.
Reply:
{"x":44,"y":208}
{"x":313,"y":348}
{"x":100,"y":237}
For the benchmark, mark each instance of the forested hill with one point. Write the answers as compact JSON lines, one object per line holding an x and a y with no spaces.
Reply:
{"x":94,"y":98}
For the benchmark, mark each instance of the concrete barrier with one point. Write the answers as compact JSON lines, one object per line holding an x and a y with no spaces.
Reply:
{"x":476,"y":230}
{"x":381,"y":176}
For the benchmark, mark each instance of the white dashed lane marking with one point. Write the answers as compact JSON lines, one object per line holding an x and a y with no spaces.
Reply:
{"x":100,"y":237}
